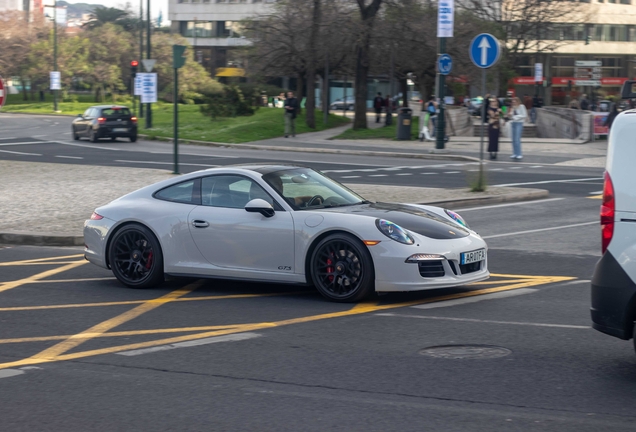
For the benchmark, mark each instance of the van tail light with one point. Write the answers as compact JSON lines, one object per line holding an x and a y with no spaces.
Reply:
{"x":101,"y":120}
{"x":608,"y":211}
{"x":134,"y":120}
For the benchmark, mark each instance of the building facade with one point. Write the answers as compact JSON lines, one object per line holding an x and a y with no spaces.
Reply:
{"x":604,"y":40}
{"x":213,"y":28}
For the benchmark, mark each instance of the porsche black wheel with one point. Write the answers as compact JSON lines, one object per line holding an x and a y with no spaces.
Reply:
{"x":135,"y":257}
{"x":342,"y":269}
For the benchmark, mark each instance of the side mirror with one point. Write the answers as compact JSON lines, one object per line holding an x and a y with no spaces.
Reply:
{"x":260,"y":206}
{"x":80,"y":115}
{"x":629,"y":90}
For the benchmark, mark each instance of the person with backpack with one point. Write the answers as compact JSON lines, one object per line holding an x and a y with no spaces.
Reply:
{"x":378,"y":103}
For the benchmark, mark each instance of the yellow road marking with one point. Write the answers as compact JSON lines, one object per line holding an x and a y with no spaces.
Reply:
{"x":595,"y":197}
{"x":132,"y":302}
{"x":356,"y":310}
{"x":38,"y":260}
{"x":43,"y":263}
{"x":75,"y":280}
{"x":103,"y":327}
{"x":5,"y":286}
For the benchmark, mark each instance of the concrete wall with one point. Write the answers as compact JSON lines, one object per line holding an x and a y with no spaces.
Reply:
{"x":564,"y":123}
{"x":461,"y":122}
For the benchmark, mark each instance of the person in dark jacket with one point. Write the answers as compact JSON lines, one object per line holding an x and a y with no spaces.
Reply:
{"x":378,"y":103}
{"x":611,"y":117}
{"x":494,"y":114}
{"x":291,"y":109}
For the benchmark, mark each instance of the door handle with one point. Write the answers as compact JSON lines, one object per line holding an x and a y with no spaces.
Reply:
{"x":200,"y":224}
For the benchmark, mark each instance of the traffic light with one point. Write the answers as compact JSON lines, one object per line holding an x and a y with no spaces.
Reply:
{"x":133,"y":67}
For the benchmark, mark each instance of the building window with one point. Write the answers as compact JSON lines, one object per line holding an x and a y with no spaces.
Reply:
{"x":197,"y":29}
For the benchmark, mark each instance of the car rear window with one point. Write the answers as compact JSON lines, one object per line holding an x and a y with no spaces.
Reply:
{"x":115,"y":112}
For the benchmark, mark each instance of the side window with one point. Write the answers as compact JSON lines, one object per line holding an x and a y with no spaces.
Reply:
{"x":231,"y":191}
{"x":94,"y":112}
{"x":185,"y":193}
{"x":87,"y":113}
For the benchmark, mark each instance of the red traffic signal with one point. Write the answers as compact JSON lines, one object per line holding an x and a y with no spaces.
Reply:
{"x":134,"y":63}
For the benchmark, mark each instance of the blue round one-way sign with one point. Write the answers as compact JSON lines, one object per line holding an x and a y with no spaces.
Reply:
{"x":444,"y":64}
{"x":484,"y":50}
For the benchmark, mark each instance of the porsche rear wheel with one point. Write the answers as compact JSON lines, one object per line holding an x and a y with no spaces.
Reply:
{"x":135,"y":257}
{"x":342,"y":268}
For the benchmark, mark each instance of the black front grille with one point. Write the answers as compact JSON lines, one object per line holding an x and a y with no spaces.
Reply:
{"x":431,"y":269}
{"x":470,"y":268}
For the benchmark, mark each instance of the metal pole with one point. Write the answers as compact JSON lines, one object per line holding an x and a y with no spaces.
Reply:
{"x":344,"y":105}
{"x":325,"y":102}
{"x":441,"y":91}
{"x":54,"y":52}
{"x":148,"y":48}
{"x":175,"y":114}
{"x":481,"y":133}
{"x":388,"y":121}
{"x":141,"y":48}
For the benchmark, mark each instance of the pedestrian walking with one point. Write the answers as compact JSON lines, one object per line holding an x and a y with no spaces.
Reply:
{"x":536,"y":104}
{"x":585,"y":103}
{"x":389,"y":112}
{"x":517,"y":115}
{"x":291,"y":109}
{"x":431,"y":109}
{"x":494,"y":128}
{"x":378,"y":103}
{"x":609,"y":120}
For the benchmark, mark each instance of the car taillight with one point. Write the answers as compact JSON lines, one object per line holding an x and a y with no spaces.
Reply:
{"x":133,"y":119}
{"x":101,"y":120}
{"x":608,"y":210}
{"x":96,"y":216}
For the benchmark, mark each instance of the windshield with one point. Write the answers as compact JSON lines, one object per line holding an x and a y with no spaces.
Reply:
{"x":304,"y":188}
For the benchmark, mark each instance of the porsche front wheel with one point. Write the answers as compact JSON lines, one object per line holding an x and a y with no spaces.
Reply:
{"x":342,"y":268}
{"x":135,"y":257}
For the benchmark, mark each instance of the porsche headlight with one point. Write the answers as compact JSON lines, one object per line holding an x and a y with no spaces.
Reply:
{"x":394,"y":232}
{"x":457,"y":218}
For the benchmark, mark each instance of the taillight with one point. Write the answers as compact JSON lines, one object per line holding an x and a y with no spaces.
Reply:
{"x":101,"y":120}
{"x":608,"y":210}
{"x":96,"y":216}
{"x":133,"y":119}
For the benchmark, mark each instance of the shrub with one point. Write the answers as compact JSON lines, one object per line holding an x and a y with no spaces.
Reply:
{"x":229,"y":103}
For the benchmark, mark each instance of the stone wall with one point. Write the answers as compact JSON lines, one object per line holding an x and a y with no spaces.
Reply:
{"x":564,"y":123}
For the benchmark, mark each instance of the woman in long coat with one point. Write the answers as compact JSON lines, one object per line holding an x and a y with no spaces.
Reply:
{"x":494,"y":128}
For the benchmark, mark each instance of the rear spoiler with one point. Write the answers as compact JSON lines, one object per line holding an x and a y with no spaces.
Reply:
{"x":629,"y":90}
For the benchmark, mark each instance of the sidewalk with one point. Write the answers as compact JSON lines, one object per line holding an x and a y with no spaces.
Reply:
{"x":47,"y":204}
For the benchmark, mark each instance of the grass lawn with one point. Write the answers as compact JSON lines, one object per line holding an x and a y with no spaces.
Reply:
{"x":384,"y":132}
{"x":266,"y":123}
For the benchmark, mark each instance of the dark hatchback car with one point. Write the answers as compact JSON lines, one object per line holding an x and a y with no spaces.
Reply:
{"x":105,"y":121}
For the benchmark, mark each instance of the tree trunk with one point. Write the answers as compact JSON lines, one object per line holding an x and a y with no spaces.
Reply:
{"x":311,"y":69}
{"x":300,"y":90}
{"x":25,"y":95}
{"x":367,"y":14}
{"x":404,"y":88}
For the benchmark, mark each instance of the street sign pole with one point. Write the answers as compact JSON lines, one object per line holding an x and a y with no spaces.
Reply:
{"x":141,"y":48}
{"x":484,"y":52}
{"x":445,"y":27}
{"x":441,"y":94}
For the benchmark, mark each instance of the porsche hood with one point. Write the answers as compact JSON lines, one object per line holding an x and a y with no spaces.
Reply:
{"x":410,"y":218}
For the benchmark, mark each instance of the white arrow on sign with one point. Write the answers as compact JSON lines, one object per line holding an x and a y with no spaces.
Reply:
{"x":485,"y":46}
{"x":149,"y":64}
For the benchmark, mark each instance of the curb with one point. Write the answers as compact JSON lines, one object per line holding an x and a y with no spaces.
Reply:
{"x":434,"y":156}
{"x":52,"y":114}
{"x":50,"y":239}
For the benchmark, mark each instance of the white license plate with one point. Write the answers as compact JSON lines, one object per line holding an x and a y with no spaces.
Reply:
{"x":472,"y":257}
{"x":120,"y":130}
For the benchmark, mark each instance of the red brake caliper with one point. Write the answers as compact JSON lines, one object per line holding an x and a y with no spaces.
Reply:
{"x":330,"y":269}
{"x":149,"y":261}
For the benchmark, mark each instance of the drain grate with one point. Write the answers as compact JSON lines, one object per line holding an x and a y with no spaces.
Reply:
{"x":465,"y":351}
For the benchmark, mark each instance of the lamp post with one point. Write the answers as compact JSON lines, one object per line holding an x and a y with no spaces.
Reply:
{"x":55,"y":92}
{"x":148,"y":50}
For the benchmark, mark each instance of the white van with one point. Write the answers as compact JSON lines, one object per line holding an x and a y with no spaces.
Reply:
{"x":614,"y":280}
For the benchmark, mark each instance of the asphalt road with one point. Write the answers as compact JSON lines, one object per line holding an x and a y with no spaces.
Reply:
{"x":79,"y":352}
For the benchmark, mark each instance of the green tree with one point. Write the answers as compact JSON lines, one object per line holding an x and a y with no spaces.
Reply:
{"x":102,"y":15}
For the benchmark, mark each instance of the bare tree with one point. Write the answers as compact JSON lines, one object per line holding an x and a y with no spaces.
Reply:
{"x":314,"y":34}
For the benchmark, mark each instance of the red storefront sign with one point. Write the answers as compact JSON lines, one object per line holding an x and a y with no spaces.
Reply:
{"x":563,"y":81}
{"x":525,"y":81}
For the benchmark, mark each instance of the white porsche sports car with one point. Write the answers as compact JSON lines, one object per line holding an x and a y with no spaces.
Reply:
{"x":285,"y":224}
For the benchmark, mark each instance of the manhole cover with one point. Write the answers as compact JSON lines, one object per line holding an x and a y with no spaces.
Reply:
{"x":466,"y":351}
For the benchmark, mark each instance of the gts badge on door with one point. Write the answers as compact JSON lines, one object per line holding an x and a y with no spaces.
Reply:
{"x":285,"y":268}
